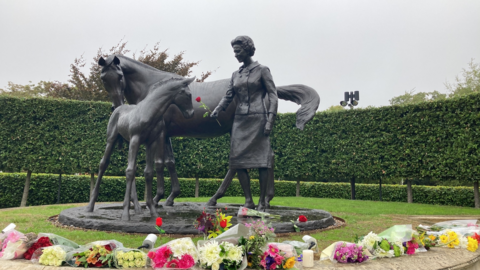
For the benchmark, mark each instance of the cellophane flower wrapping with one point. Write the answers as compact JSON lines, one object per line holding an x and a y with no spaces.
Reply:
{"x":177,"y":254}
{"x":397,"y":233}
{"x":51,"y":255}
{"x":246,"y":212}
{"x":129,"y":258}
{"x":279,"y":256}
{"x":59,"y":240}
{"x":95,"y":254}
{"x":13,"y":246}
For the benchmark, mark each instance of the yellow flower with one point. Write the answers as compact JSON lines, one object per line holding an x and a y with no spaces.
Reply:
{"x":290,"y":263}
{"x":432,"y":237}
{"x":444,"y":238}
{"x":472,"y":244}
{"x":249,"y":264}
{"x":252,"y":237}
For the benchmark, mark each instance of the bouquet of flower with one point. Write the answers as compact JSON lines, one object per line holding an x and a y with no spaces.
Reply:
{"x":245,"y":212}
{"x":279,"y":256}
{"x":128,"y":258}
{"x":50,"y":255}
{"x":179,"y":253}
{"x":212,"y":254}
{"x":13,"y":246}
{"x":260,"y":233}
{"x":348,"y":253}
{"x":213,"y":224}
{"x":95,"y":254}
{"x":39,"y":243}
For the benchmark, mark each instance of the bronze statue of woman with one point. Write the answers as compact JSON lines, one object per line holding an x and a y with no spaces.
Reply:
{"x":256,"y":98}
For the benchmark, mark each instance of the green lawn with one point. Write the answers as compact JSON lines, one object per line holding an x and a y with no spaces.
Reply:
{"x":361,"y":217}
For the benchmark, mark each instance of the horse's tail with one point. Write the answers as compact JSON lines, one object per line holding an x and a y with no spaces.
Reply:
{"x":304,"y":96}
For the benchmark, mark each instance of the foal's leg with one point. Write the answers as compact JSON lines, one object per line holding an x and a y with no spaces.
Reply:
{"x":263,"y":178}
{"x":170,"y":162}
{"x":244,"y":179}
{"x":150,"y":159}
{"x":101,"y":170}
{"x":223,"y":188}
{"x":130,"y":174}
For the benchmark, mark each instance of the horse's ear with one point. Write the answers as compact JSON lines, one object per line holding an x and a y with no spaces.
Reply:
{"x":188,"y":81}
{"x":116,"y":61}
{"x":102,"y":61}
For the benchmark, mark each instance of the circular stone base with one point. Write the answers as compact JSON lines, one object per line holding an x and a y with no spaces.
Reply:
{"x":180,"y":218}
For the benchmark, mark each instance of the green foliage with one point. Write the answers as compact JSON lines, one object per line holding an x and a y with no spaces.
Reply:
{"x":467,"y":84}
{"x":89,"y":87}
{"x":75,"y":189}
{"x":410,"y":97}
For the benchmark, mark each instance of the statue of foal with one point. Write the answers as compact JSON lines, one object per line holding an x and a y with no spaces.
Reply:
{"x":143,"y":124}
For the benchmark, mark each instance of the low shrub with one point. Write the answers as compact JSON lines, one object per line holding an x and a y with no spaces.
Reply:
{"x":75,"y":189}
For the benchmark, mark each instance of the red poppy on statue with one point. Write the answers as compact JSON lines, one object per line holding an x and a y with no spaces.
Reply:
{"x":302,"y":218}
{"x":158,"y":224}
{"x":198,"y":99}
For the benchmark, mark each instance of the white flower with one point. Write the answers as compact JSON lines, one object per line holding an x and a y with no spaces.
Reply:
{"x":379,"y":252}
{"x":369,"y":240}
{"x":210,"y":253}
{"x":463,"y":242}
{"x":235,"y":253}
{"x":215,"y":266}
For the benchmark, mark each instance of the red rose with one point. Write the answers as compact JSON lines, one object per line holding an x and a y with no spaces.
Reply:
{"x":108,"y":247}
{"x":223,"y":223}
{"x":159,"y":222}
{"x":302,"y":218}
{"x":198,"y":99}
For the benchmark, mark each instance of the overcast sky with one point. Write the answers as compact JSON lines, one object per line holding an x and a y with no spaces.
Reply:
{"x":381,"y":48}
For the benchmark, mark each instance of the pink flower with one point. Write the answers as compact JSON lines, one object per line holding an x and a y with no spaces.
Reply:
{"x":187,"y":261}
{"x":273,"y":266}
{"x":411,"y":247}
{"x":272,"y":250}
{"x":278,"y":259}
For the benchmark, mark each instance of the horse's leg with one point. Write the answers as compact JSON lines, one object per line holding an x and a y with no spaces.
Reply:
{"x":223,"y":188}
{"x":263,"y":178}
{"x":244,"y":179}
{"x":270,"y":185}
{"x":159,"y":167}
{"x":170,"y":162}
{"x":130,"y":174}
{"x":150,"y":159}
{"x":101,"y":170}
{"x":134,"y":197}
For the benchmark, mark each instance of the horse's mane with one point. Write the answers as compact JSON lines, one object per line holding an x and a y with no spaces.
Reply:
{"x":164,"y":82}
{"x":136,"y":62}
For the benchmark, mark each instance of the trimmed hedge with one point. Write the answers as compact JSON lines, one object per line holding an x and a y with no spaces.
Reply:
{"x":75,"y":189}
{"x":438,"y":140}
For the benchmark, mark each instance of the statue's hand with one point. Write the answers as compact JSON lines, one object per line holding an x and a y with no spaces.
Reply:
{"x":268,"y":128}
{"x":215,"y":112}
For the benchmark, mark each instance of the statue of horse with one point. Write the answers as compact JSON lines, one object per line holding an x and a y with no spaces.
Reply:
{"x":125,"y":78}
{"x":143,"y":124}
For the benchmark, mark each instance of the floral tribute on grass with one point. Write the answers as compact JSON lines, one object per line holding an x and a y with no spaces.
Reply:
{"x":259,"y":235}
{"x":214,"y":254}
{"x":211,"y":225}
{"x":349,"y":253}
{"x":96,"y":254}
{"x":179,"y":253}
{"x":278,"y":256}
{"x":41,"y":242}
{"x":14,"y":245}
{"x":51,"y":256}
{"x":129,"y":258}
